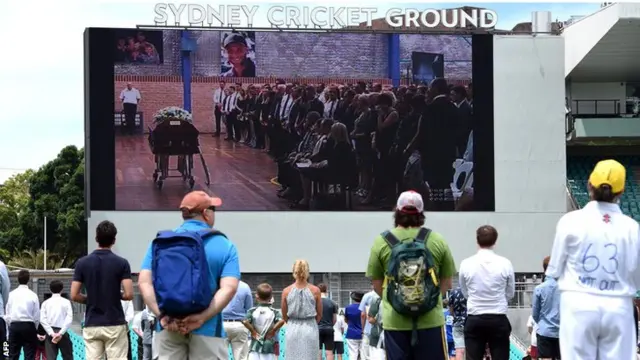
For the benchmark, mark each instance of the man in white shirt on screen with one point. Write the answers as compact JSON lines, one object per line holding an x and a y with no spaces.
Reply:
{"x":23,"y":315}
{"x":218,"y":100}
{"x":487,"y":281}
{"x":56,"y":315}
{"x":595,"y":259}
{"x":230,"y":109}
{"x":130,"y":98}
{"x":331,"y":105}
{"x":286,"y":103}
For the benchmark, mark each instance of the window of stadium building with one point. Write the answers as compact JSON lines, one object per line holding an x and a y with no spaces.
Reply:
{"x":294,"y":121}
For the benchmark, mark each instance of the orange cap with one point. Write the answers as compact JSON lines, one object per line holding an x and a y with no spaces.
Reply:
{"x":197,"y":201}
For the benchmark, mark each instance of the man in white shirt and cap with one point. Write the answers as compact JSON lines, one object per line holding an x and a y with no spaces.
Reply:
{"x":595,"y":260}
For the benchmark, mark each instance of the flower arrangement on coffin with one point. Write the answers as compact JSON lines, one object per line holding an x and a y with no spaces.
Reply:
{"x":172,"y":113}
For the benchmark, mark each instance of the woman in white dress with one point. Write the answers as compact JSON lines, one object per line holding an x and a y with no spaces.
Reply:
{"x":302,"y":310}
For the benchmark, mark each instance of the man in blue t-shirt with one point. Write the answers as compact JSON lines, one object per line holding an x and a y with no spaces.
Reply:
{"x":353,"y":318}
{"x":198,"y":336}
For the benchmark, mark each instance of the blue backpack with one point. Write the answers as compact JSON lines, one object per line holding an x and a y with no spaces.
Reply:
{"x":181,"y":273}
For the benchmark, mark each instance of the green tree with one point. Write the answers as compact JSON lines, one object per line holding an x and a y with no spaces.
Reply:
{"x":14,"y":201}
{"x":30,"y":259}
{"x":57,"y":193}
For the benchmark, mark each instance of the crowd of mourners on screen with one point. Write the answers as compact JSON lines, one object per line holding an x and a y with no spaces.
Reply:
{"x":377,"y":140}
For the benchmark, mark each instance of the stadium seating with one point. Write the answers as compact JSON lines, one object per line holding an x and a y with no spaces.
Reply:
{"x":78,"y":348}
{"x":579,"y":168}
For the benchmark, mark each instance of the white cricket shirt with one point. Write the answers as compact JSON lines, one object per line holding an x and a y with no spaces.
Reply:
{"x":595,"y":251}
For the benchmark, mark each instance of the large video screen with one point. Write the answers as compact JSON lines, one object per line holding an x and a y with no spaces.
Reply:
{"x":327,"y":121}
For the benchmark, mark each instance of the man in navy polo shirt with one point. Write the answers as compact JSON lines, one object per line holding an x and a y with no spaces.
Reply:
{"x":103,"y":274}
{"x":200,"y":336}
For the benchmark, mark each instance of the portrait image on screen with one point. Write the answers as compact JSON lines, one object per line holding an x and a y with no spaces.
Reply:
{"x":313,"y":123}
{"x":238,"y":53}
{"x":427,"y":67}
{"x":137,"y":47}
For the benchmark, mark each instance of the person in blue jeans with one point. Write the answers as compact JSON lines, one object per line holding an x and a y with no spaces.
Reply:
{"x":353,"y":318}
{"x":199,"y":336}
{"x":448,"y":322}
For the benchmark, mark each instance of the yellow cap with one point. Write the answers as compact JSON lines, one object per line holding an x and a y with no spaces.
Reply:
{"x":609,"y":172}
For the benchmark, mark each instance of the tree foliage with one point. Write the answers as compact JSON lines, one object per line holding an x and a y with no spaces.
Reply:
{"x":55,"y":192}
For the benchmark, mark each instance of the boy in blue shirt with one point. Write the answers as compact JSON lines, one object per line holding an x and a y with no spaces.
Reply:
{"x":353,"y":318}
{"x":448,"y":320}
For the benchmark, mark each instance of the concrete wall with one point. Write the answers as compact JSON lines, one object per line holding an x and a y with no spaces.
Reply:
{"x":597,"y":91}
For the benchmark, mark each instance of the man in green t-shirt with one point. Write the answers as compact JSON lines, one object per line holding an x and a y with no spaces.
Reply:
{"x":409,"y":219}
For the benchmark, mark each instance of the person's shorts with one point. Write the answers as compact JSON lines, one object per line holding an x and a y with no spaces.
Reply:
{"x":452,"y":349}
{"x":458,"y":337}
{"x":339,"y":347}
{"x":326,"y":339}
{"x":431,"y":344}
{"x":548,"y":347}
{"x":533,"y":352}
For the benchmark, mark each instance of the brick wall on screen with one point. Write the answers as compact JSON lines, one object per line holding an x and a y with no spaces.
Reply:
{"x":310,"y":54}
{"x":156,"y":92}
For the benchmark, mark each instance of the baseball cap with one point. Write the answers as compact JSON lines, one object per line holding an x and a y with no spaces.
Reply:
{"x":410,"y":202}
{"x":609,"y":172}
{"x":234,"y":39}
{"x":198,"y":201}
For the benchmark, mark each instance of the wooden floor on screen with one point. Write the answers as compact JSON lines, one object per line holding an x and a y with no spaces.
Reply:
{"x":240,"y":175}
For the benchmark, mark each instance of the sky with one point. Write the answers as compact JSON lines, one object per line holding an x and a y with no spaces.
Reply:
{"x":42,"y":89}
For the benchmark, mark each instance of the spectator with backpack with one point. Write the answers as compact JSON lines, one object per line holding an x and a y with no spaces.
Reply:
{"x":189,"y":312}
{"x":412,"y":289}
{"x":103,"y":274}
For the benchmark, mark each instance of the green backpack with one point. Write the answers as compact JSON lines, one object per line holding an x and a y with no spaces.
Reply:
{"x":412,"y":285}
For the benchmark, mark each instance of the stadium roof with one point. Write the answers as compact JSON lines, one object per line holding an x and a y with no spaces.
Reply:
{"x":604,"y":46}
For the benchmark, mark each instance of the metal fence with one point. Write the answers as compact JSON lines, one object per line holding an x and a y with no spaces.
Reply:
{"x":521,"y":300}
